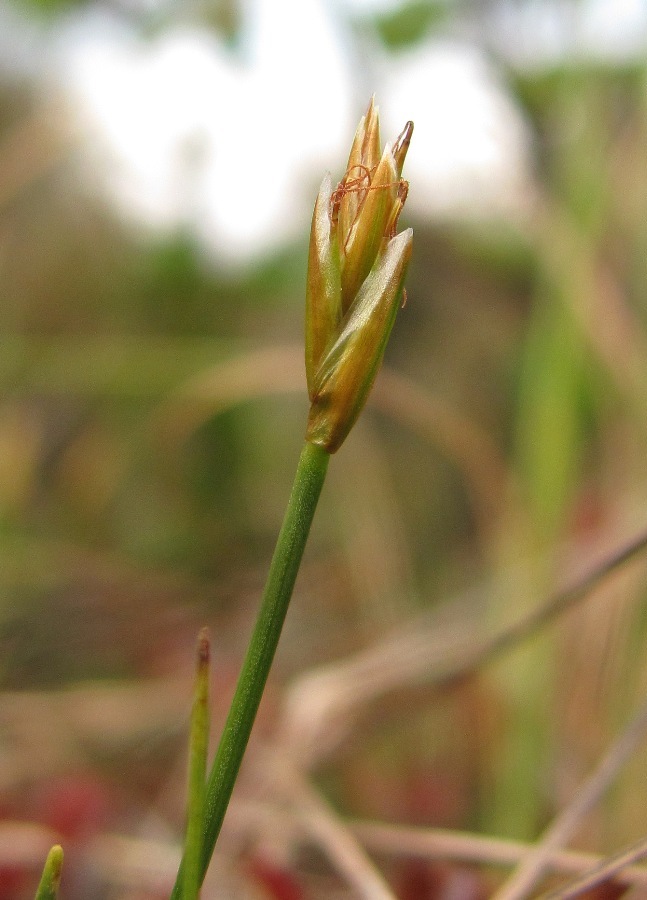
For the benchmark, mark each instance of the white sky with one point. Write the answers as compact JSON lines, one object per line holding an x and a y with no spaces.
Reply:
{"x":182,"y":131}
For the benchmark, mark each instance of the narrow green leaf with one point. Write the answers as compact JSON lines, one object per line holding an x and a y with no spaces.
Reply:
{"x":198,"y":749}
{"x":51,"y":878}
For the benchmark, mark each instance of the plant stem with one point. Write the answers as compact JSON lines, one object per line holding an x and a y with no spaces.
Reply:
{"x":51,"y":879}
{"x":308,"y":481}
{"x":198,"y":749}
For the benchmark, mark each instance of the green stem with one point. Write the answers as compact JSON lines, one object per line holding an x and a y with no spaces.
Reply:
{"x":51,"y":879}
{"x":198,"y":749}
{"x":290,"y":545}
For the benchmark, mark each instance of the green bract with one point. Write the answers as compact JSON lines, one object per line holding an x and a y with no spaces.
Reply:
{"x":356,"y":269}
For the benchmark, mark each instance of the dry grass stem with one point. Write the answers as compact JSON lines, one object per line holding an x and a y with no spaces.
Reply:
{"x":511,"y":635}
{"x":564,"y":826}
{"x":440,"y":844}
{"x":321,"y":707}
{"x":616,"y":865}
{"x":327,"y":829}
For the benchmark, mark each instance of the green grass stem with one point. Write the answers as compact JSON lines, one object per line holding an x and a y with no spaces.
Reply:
{"x":308,"y":481}
{"x":198,"y":749}
{"x":51,"y":878}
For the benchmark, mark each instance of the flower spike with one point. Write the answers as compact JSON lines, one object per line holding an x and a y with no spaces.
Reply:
{"x":356,"y":269}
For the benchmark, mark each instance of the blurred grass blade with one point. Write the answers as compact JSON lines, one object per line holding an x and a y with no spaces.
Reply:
{"x":51,"y":878}
{"x":198,"y":748}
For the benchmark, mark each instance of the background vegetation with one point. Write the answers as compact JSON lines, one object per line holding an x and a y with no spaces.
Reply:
{"x":151,"y":415}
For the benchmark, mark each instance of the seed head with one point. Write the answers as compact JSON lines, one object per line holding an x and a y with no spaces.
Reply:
{"x":356,"y":269}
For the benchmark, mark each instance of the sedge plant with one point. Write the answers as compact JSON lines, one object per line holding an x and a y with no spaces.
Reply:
{"x":357,"y":264}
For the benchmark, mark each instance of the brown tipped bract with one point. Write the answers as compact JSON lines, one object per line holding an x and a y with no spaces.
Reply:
{"x":323,"y":286}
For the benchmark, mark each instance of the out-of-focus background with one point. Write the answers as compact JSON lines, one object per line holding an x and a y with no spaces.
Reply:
{"x":158,"y":165}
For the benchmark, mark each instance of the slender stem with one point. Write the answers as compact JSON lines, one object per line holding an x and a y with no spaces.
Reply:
{"x":290,"y":545}
{"x":198,"y":750}
{"x":51,"y":879}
